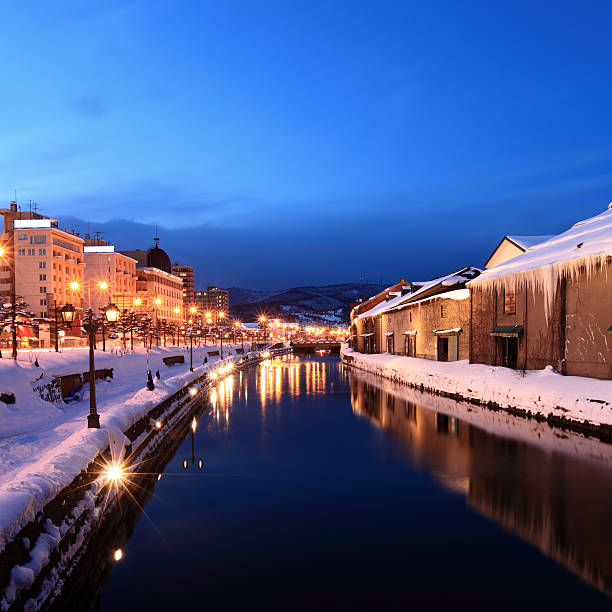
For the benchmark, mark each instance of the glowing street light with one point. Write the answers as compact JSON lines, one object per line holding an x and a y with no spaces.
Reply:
{"x":137,"y":302}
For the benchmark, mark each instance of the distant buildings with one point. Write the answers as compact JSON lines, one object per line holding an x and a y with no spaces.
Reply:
{"x":212,"y":300}
{"x":542,"y":301}
{"x":52,"y":268}
{"x":185,"y":273}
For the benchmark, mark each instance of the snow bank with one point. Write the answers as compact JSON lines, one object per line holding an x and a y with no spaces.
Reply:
{"x":539,"y":391}
{"x":45,"y":445}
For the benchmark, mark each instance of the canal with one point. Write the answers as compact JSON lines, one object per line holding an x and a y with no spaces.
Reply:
{"x":322,"y":487}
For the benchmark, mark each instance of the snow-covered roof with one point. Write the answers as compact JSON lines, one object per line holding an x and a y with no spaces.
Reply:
{"x":422,"y":293}
{"x":528,"y":241}
{"x":585,"y":239}
{"x":587,"y":244}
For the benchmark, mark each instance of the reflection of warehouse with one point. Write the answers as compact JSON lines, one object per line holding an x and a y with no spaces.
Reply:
{"x":560,"y":504}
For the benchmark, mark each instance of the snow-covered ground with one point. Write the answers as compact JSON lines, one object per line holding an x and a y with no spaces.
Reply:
{"x":44,"y":445}
{"x":539,"y":391}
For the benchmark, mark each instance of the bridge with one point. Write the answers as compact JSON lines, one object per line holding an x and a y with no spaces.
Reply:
{"x":311,"y":346}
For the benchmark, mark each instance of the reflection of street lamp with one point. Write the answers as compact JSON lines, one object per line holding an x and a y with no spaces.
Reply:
{"x":90,"y":327}
{"x":200,"y":463}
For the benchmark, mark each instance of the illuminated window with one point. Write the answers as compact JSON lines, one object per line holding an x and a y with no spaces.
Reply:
{"x":509,"y":302}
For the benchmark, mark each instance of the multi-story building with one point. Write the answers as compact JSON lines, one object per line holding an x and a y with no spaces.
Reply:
{"x":48,"y":262}
{"x":212,"y":300}
{"x":186,"y":274}
{"x":110,"y":276}
{"x":159,"y":293}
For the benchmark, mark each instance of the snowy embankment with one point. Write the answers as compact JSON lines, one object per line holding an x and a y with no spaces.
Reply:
{"x":539,"y":392}
{"x":44,"y":445}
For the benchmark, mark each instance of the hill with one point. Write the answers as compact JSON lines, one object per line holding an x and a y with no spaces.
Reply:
{"x":327,"y":305}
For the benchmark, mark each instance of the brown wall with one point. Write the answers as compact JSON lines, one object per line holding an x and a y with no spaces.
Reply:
{"x":574,"y":340}
{"x":426,"y":316}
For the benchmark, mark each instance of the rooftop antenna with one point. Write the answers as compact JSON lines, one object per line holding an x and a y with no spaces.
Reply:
{"x":156,"y":239}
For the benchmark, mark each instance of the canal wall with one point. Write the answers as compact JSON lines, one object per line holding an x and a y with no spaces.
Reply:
{"x":36,"y":561}
{"x":575,"y":403}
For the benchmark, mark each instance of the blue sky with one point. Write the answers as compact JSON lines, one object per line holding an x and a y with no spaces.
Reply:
{"x":285,"y":143}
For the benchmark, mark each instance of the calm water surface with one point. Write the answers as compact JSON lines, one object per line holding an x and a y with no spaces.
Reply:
{"x":325,"y":488}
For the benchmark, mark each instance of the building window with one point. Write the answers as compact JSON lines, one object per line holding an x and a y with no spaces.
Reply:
{"x":42,"y":265}
{"x":410,"y":316}
{"x":38,"y":239}
{"x":42,"y":277}
{"x":43,"y":301}
{"x":21,"y":252}
{"x":42,"y":251}
{"x":31,"y":251}
{"x":43,"y":289}
{"x":23,"y":236}
{"x":509,"y":302}
{"x":442,"y":310}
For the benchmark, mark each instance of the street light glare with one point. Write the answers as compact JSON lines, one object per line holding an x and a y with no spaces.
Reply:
{"x":157,"y":301}
{"x":74,"y":286}
{"x":103,"y":285}
{"x":137,"y":301}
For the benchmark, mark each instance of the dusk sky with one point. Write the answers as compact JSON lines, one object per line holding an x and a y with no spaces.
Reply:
{"x":286,"y":143}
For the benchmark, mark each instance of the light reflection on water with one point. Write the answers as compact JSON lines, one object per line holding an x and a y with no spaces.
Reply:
{"x":314,"y":473}
{"x":535,"y":487}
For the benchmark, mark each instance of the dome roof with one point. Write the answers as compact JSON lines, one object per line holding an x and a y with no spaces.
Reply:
{"x":158,"y":258}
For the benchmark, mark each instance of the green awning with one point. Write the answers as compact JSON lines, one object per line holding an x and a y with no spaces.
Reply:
{"x":510,"y":331}
{"x":610,"y":329}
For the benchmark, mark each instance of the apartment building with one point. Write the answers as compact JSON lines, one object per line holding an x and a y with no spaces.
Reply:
{"x":110,"y":276}
{"x":185,"y":273}
{"x":48,"y":262}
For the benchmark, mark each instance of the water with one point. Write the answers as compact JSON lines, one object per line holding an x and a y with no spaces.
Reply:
{"x":326,"y":488}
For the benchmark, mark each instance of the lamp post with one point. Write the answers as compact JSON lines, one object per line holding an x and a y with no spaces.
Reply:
{"x":191,"y":349}
{"x":157,"y":302}
{"x":90,"y":326}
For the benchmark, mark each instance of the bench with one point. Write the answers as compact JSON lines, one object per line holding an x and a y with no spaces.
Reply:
{"x":101,"y":374}
{"x":174,"y":359}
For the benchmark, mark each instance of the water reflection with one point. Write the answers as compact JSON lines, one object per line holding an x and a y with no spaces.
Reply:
{"x":552,"y":489}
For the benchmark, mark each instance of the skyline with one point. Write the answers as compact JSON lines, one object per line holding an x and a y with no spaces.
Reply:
{"x":430,"y":130}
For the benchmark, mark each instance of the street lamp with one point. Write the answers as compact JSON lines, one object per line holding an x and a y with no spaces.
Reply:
{"x":90,"y":327}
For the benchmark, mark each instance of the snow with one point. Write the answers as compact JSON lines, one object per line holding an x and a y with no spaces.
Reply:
{"x":539,"y":391}
{"x":44,"y":445}
{"x":454,"y":330}
{"x":584,"y":248}
{"x":528,"y":241}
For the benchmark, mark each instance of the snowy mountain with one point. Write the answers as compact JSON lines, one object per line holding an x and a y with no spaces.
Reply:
{"x":328,"y":304}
